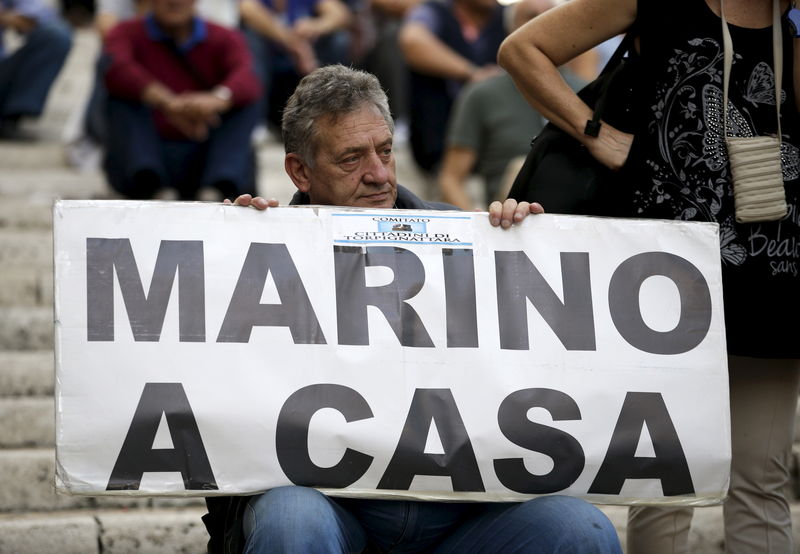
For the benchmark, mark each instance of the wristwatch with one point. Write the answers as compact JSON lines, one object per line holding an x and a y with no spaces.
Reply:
{"x":222,"y":92}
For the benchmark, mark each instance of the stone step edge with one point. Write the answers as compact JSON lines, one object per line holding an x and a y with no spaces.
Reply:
{"x":27,"y":373}
{"x":163,"y":530}
{"x":99,"y":512}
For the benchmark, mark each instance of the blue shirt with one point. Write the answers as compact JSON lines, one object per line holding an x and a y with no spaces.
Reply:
{"x":199,"y":33}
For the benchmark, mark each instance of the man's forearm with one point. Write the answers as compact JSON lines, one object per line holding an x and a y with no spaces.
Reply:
{"x":333,"y":16}
{"x":425,"y":53}
{"x":264,"y":22}
{"x":157,"y":95}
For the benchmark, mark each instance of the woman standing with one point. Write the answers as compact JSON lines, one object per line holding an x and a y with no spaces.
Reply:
{"x":675,"y":165}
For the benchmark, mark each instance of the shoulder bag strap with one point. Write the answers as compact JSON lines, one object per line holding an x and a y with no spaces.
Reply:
{"x":777,"y":60}
{"x":607,"y":75}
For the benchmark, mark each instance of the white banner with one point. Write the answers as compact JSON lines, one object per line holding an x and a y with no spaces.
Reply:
{"x":204,"y":349}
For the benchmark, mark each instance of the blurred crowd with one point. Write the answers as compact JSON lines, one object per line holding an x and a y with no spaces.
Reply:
{"x":184,"y":88}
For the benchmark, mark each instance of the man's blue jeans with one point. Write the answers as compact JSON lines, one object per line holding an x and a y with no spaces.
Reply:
{"x":302,"y":520}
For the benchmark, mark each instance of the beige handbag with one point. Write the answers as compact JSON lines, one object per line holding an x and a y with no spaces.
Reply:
{"x":755,"y":162}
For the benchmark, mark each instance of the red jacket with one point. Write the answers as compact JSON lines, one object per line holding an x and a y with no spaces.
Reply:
{"x":139,"y":57}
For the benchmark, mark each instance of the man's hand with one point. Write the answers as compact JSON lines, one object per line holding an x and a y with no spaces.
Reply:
{"x":189,"y":116}
{"x":508,"y":212}
{"x":191,"y":127}
{"x":205,"y":106}
{"x":257,"y":202}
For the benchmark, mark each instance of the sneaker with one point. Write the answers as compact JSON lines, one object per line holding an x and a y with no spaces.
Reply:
{"x":83,"y":154}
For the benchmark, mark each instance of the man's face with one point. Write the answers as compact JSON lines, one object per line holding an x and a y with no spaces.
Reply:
{"x":355,"y":164}
{"x":172,"y":13}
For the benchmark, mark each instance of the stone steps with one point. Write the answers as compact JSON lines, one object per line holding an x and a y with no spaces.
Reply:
{"x":26,"y":328}
{"x":26,"y":248}
{"x":33,"y":518}
{"x":26,"y":286}
{"x":156,"y":531}
{"x":28,"y":421}
{"x":26,"y":373}
{"x":47,"y":183}
{"x":28,"y":475}
{"x":26,"y":213}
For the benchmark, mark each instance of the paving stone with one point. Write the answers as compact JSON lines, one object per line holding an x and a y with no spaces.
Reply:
{"x":154,"y":532}
{"x":28,"y":373}
{"x":67,"y":533}
{"x":26,"y":422}
{"x":28,"y":328}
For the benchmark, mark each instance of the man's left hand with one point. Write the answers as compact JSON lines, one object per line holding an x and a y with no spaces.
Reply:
{"x":256,"y":202}
{"x":505,"y":214}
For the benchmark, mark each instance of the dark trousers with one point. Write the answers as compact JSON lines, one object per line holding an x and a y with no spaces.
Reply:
{"x":276,"y":70}
{"x":27,"y":75}
{"x":138,"y":161}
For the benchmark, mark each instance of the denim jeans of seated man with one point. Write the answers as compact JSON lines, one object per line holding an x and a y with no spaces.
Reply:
{"x":303,"y":520}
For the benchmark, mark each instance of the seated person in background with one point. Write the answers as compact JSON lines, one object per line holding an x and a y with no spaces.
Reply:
{"x":27,"y":74}
{"x":384,"y":60}
{"x":491,"y":126}
{"x":84,"y":140}
{"x":446,"y":44}
{"x":291,"y":38}
{"x":338,"y":139}
{"x":182,"y":105}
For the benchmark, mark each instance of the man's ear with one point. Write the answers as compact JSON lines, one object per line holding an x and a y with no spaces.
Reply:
{"x":297,"y":170}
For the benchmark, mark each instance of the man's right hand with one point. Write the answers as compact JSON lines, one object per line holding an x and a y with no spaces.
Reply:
{"x":256,"y":202}
{"x":176,"y":112}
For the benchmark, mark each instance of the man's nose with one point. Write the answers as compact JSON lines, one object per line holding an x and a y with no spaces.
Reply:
{"x":377,"y":170}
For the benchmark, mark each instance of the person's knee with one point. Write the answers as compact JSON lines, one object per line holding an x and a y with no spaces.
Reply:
{"x":288,"y":499}
{"x":292,"y":519}
{"x":56,"y":37}
{"x":577,"y":525}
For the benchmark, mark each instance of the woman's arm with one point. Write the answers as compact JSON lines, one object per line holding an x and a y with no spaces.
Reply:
{"x":534,"y":51}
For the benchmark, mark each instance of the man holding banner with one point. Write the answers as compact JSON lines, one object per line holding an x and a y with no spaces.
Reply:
{"x":338,"y":130}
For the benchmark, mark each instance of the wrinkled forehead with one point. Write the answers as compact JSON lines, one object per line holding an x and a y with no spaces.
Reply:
{"x":341,"y":131}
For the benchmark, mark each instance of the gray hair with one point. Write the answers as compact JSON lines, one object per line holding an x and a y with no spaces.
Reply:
{"x":329,"y":91}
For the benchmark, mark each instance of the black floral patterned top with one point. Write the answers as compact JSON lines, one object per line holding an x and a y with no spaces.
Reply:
{"x":678,"y":166}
